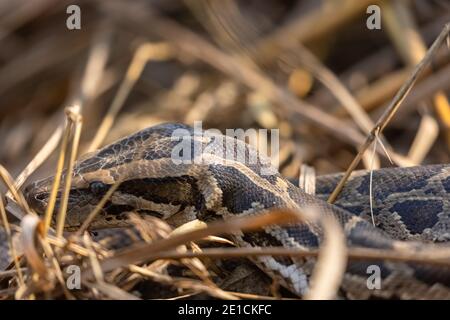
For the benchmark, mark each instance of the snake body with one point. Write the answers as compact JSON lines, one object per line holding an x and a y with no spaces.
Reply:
{"x":411,"y":205}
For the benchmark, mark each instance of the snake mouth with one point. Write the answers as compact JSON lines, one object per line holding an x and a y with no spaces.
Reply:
{"x":98,"y":224}
{"x":37,"y":202}
{"x":72,"y":228}
{"x":37,"y":195}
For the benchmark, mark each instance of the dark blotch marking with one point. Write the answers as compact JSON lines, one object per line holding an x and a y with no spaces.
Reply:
{"x":108,"y":151}
{"x":357,"y":210}
{"x":115,"y":209}
{"x":150,"y":213}
{"x":419,"y":214}
{"x":363,"y":234}
{"x":303,"y":235}
{"x":360,"y":268}
{"x":174,"y":190}
{"x":432,"y":274}
{"x":264,"y":240}
{"x":239,"y":192}
{"x":446,"y":184}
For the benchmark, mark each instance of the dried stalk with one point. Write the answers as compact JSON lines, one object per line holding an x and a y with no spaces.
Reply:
{"x":391,"y":110}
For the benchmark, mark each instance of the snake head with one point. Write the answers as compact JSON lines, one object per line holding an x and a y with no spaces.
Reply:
{"x":82,"y":199}
{"x":37,"y":194}
{"x":145,"y":188}
{"x":163,"y":171}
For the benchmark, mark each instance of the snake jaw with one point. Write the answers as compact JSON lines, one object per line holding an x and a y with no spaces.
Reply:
{"x":81,"y":203}
{"x":37,"y":195}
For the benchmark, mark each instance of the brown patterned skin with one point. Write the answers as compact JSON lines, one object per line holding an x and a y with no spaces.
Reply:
{"x":152,"y":183}
{"x":409,"y":203}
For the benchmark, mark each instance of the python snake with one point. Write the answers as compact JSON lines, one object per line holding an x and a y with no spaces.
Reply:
{"x":411,"y":205}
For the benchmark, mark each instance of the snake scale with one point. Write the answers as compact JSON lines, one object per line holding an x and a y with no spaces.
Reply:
{"x":411,"y":205}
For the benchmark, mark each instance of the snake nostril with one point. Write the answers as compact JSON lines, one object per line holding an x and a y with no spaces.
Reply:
{"x":40,"y":197}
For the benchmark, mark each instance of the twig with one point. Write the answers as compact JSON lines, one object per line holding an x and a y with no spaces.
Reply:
{"x":377,"y":66}
{"x":439,"y":80}
{"x":10,"y":273}
{"x":331,"y":263}
{"x":40,"y":157}
{"x":409,"y":43}
{"x":97,"y":209}
{"x":307,"y":29}
{"x":390,"y":111}
{"x":74,"y":119}
{"x":12,"y":248}
{"x":16,"y":194}
{"x":195,"y":46}
{"x":141,"y":252}
{"x":144,"y":53}
{"x":431,"y":257}
{"x":56,"y":180}
{"x":93,"y":72}
{"x":183,"y":283}
{"x":297,"y":51}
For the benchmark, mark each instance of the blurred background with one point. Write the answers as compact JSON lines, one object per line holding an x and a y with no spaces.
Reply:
{"x":322,"y":72}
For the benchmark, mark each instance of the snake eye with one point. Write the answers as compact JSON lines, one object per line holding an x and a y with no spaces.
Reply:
{"x":98,"y":187}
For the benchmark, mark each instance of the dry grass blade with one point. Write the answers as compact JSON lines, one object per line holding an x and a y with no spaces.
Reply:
{"x":97,"y":209}
{"x":17,"y":195}
{"x":141,"y":252}
{"x":331,"y":262}
{"x":64,"y":243}
{"x":30,"y":224}
{"x":57,"y":180}
{"x":144,"y":53}
{"x":94,"y":70}
{"x":74,"y":118}
{"x":111,"y":291}
{"x":257,"y":297}
{"x":331,"y":15}
{"x":194,"y":264}
{"x":40,"y":157}
{"x":197,"y":47}
{"x":426,"y":135}
{"x":332,"y":82}
{"x":307,"y":179}
{"x":391,"y":110}
{"x":11,"y":273}
{"x":433,"y":255}
{"x":409,"y":43}
{"x":439,"y":80}
{"x":22,"y":13}
{"x":95,"y":264}
{"x":184,"y":283}
{"x":334,"y":252}
{"x":246,"y":65}
{"x":56,"y":268}
{"x":229,"y":17}
{"x":9,"y":235}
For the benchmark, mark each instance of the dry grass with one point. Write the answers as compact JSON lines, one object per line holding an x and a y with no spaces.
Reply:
{"x":57,"y":92}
